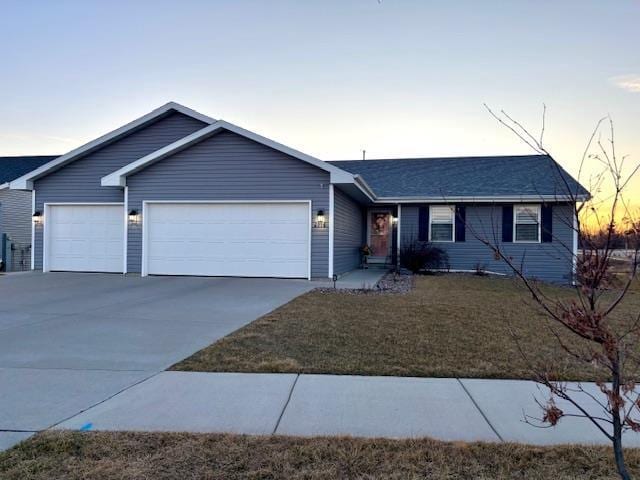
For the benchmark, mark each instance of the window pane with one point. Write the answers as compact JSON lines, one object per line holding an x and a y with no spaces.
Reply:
{"x":527,"y":214}
{"x":442,"y":214}
{"x":441,"y":232}
{"x":527,"y":232}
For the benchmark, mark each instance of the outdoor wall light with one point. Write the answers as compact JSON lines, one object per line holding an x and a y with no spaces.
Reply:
{"x":320,"y":220}
{"x":37,"y":218}
{"x":394,"y":220}
{"x":134,"y":217}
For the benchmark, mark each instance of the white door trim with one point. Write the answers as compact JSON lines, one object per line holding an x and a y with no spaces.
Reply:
{"x":145,"y":209}
{"x":45,"y":239}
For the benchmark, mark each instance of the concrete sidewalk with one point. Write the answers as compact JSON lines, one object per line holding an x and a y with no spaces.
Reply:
{"x":288,"y":404}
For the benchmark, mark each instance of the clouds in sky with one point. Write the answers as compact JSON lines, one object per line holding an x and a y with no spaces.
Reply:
{"x":631,"y":83}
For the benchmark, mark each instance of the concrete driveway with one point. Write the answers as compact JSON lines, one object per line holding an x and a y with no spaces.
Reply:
{"x":69,"y":341}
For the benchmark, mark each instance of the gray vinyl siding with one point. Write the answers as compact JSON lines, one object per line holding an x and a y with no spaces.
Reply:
{"x":348,"y":232}
{"x":546,"y":261}
{"x":15,"y":221}
{"x":79,"y":181}
{"x":231,"y":167}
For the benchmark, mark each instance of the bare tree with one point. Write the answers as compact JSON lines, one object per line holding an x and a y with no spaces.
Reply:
{"x":609,"y":346}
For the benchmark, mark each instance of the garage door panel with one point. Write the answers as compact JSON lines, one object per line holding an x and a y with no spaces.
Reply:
{"x":87,"y":238}
{"x":252,"y":239}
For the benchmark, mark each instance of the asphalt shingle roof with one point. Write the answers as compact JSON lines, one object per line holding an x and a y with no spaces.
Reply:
{"x":463,"y":176}
{"x":14,"y":167}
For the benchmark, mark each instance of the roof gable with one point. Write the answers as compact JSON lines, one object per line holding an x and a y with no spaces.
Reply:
{"x":25,"y":182}
{"x":118,"y":178}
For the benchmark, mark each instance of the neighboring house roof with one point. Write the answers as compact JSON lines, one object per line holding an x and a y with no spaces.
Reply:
{"x":118,"y":178}
{"x":25,"y":182}
{"x":526,"y":177}
{"x":14,"y":167}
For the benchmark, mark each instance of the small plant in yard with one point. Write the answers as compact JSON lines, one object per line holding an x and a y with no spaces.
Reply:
{"x":417,"y":256}
{"x":607,"y":346}
{"x":480,"y":270}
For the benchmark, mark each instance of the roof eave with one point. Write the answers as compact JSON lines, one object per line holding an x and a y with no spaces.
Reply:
{"x":484,"y":199}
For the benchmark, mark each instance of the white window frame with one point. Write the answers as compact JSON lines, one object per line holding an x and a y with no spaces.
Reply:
{"x":453,"y":222}
{"x":538,"y":209}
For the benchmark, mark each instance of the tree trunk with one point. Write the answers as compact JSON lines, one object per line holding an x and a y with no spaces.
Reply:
{"x":618,"y":453}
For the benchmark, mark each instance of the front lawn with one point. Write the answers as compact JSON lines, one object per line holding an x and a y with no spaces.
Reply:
{"x":176,"y":456}
{"x":448,"y":326}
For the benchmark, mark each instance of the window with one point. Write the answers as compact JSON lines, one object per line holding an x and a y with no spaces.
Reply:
{"x":441,"y":223}
{"x":526,"y":223}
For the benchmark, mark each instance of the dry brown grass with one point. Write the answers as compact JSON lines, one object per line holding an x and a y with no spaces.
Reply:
{"x":448,"y":326}
{"x":158,"y":456}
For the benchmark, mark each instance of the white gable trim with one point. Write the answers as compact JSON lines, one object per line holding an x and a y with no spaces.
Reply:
{"x":119,"y":177}
{"x":26,"y":181}
{"x":4,"y":185}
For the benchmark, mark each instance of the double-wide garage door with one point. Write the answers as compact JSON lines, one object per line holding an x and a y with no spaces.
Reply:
{"x":270,"y":239}
{"x":227,"y":239}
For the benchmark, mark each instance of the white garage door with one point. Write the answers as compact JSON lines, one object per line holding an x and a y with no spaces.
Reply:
{"x":228,"y":239}
{"x":84,"y":238}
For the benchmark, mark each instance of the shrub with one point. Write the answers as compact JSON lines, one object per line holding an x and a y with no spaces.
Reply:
{"x":417,"y":256}
{"x":480,"y":270}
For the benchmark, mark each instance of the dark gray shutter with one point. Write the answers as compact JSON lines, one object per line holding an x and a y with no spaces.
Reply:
{"x":547,"y":223}
{"x":423,"y":223}
{"x":461,"y":222}
{"x":507,"y":223}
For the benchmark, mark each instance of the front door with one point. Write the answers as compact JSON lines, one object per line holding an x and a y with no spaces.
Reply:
{"x":380,"y":232}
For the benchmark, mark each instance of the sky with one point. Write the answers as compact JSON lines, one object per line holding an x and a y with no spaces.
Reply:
{"x":330,"y":78}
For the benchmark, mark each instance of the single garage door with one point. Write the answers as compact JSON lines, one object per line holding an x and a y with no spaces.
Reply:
{"x":84,"y":238}
{"x":228,"y":239}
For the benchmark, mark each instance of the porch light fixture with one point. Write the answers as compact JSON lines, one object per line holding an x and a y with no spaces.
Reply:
{"x":37,"y":218}
{"x":394,"y":220}
{"x":134,"y":217}
{"x":320,"y":220}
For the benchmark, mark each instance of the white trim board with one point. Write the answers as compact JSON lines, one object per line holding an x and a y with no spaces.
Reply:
{"x":119,"y":177}
{"x":332,"y":205}
{"x":33,"y":231}
{"x":125,"y":241}
{"x":26,"y":181}
{"x":144,"y":270}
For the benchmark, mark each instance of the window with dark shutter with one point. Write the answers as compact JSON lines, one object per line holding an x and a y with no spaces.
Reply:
{"x":441,"y":223}
{"x":527,"y":223}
